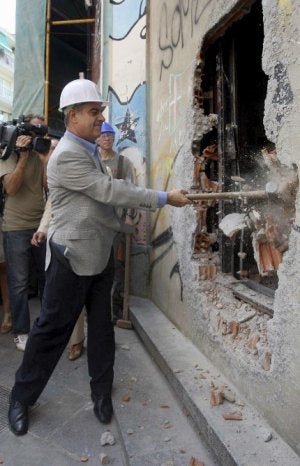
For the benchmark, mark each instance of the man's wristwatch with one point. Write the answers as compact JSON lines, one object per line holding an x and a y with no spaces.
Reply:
{"x":19,"y":149}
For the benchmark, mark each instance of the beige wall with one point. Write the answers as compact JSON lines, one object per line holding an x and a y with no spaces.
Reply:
{"x":175,"y":36}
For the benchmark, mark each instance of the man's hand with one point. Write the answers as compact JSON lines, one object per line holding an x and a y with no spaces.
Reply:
{"x":177,"y":198}
{"x":13,"y":181}
{"x":21,"y":142}
{"x":38,"y":238}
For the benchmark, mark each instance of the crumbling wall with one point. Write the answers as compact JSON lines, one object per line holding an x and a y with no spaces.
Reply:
{"x":259,"y":353}
{"x":282,"y":117}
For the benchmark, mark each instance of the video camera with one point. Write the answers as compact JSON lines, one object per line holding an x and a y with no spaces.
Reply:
{"x":9,"y":132}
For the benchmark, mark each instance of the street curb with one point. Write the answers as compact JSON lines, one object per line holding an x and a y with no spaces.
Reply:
{"x":191,"y":375}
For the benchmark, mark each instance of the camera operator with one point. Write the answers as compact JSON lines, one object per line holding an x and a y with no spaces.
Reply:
{"x":24,"y":180}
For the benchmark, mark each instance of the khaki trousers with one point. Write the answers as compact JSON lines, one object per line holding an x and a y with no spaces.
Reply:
{"x":78,"y":331}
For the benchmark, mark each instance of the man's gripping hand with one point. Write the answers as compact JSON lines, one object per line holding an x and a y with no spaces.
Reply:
{"x":177,"y":198}
{"x":22,"y":144}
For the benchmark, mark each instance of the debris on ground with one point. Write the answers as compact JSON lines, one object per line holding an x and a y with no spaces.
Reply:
{"x":104,"y":458}
{"x":126,"y":397}
{"x":234,"y":416}
{"x":107,"y":438}
{"x":84,"y":459}
{"x":195,"y":462}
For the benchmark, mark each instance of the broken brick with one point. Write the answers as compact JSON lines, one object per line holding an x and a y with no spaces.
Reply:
{"x":167,"y":425}
{"x":216,"y":398}
{"x":253,"y":340}
{"x":212,"y":400}
{"x":234,"y":328}
{"x":266,"y":361}
{"x":195,"y":462}
{"x":220,"y":398}
{"x":235,"y":416}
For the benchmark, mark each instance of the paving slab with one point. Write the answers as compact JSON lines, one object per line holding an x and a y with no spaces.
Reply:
{"x":155,"y":427}
{"x":150,"y":426}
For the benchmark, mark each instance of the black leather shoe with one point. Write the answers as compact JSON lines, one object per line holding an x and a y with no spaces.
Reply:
{"x":18,"y":417}
{"x":103,"y":408}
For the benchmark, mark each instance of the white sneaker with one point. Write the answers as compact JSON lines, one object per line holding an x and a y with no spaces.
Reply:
{"x":21,"y":341}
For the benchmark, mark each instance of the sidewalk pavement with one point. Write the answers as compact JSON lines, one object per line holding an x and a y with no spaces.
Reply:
{"x":150,"y":426}
{"x":246,"y":442}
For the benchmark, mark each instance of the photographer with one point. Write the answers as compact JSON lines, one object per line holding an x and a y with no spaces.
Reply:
{"x":23,"y":175}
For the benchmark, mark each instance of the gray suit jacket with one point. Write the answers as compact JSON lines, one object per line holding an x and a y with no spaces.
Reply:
{"x":83,"y":197}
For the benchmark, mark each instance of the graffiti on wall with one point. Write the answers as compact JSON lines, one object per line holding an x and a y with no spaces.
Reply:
{"x":176,"y":26}
{"x":169,"y":114}
{"x":128,"y":14}
{"x":165,"y":239}
{"x":128,"y":120}
{"x":128,"y":93}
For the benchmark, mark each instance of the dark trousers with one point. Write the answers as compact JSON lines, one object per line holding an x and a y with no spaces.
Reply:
{"x":64,"y":296}
{"x":119,"y":246}
{"x":20,"y":254}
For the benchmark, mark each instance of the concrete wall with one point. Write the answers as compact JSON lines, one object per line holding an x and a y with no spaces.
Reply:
{"x":175,"y":34}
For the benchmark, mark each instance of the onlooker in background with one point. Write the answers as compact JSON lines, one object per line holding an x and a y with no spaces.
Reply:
{"x":24,"y":179}
{"x":121,"y":168}
{"x":75,"y":345}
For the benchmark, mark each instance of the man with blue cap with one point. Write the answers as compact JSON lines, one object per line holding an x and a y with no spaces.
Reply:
{"x":121,"y":168}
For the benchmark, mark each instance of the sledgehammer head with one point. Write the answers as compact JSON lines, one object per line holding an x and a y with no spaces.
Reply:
{"x":121,"y":323}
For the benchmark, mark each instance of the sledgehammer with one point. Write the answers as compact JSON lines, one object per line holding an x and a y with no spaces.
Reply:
{"x":125,"y":322}
{"x":228,"y":195}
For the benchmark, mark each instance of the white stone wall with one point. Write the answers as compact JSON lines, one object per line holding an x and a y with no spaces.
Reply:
{"x":176,"y":32}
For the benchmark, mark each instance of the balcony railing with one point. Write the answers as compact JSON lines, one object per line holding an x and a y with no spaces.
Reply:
{"x":6,"y":60}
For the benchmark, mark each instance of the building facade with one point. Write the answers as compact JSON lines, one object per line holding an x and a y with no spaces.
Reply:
{"x":7,"y":45}
{"x":205,"y":95}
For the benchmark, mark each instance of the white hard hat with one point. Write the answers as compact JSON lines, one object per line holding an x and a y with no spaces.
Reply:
{"x":80,"y":91}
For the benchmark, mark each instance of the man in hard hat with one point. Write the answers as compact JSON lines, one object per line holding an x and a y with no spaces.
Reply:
{"x":119,"y":167}
{"x":79,"y":262}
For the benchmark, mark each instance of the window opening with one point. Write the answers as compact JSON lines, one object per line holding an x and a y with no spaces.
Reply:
{"x":239,"y":236}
